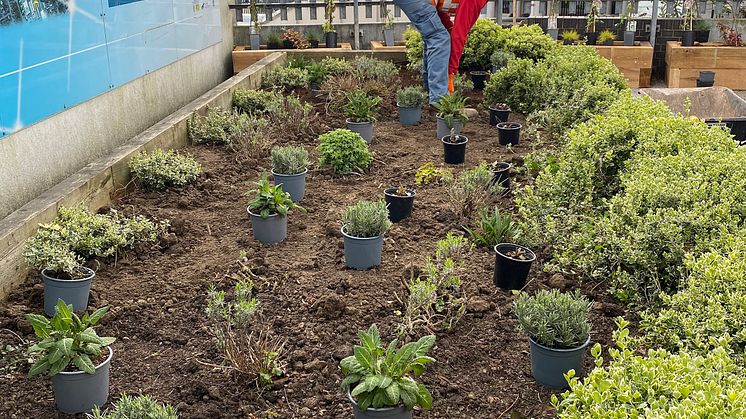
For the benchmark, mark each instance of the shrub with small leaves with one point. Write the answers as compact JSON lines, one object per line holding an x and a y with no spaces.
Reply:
{"x":160,"y":169}
{"x":415,"y":48}
{"x":368,"y":68}
{"x":336,"y":66}
{"x":554,"y":319}
{"x":473,"y":190}
{"x":289,"y":160}
{"x":462,"y":84}
{"x":138,"y":407}
{"x":411,"y":97}
{"x":237,"y":313}
{"x":493,"y":228}
{"x":483,"y":39}
{"x":285,"y":78}
{"x":379,"y":375}
{"x":256,"y":102}
{"x":429,"y":173}
{"x":500,"y":59}
{"x":366,"y":219}
{"x":344,"y":152}
{"x":218,"y":126}
{"x":270,"y":199}
{"x":361,"y":107}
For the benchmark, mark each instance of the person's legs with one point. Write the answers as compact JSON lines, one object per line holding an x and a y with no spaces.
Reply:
{"x":423,"y":69}
{"x":437,"y":44}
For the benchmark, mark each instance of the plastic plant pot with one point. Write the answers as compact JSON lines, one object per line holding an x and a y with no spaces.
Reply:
{"x":509,"y":133}
{"x":441,"y":127}
{"x":501,"y":174}
{"x":707,"y":76}
{"x":270,"y":230}
{"x":71,"y":291}
{"x":362,"y":253}
{"x":79,"y":392}
{"x":314,"y":44}
{"x":591,"y":38}
{"x":409,"y":116}
{"x":479,"y":78}
{"x":454,"y":152}
{"x":399,"y":207}
{"x":499,"y":114}
{"x":702,"y":36}
{"x":365,"y":129}
{"x":609,"y":43}
{"x":388,"y":37}
{"x":399,"y":412}
{"x":287,"y":44}
{"x":629,"y":38}
{"x":295,"y":185}
{"x":548,"y":365}
{"x":687,"y":39}
{"x":255,"y":40}
{"x":331,"y":39}
{"x":511,"y":273}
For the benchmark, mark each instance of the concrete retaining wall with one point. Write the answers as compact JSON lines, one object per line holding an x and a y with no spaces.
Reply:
{"x":93,"y":184}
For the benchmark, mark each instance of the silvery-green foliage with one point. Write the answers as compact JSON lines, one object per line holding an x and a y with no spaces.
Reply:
{"x":368,"y":68}
{"x":366,"y":219}
{"x":289,"y":160}
{"x":218,"y":126}
{"x":472,"y":190}
{"x":161,"y":169}
{"x":411,"y":97}
{"x":240,"y":311}
{"x":137,"y":407}
{"x":554,"y":319}
{"x":285,"y":78}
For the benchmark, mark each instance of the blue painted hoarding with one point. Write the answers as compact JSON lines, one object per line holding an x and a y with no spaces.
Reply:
{"x":55,"y":54}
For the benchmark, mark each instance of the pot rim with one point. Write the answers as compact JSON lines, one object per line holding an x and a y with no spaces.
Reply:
{"x":450,"y":143}
{"x":455,"y":120}
{"x":85,"y":268}
{"x":408,"y":107}
{"x":359,"y":238}
{"x":260,"y":216}
{"x":104,"y":362}
{"x":584,"y":345}
{"x":350,"y":121}
{"x":479,"y":72}
{"x":283,"y":174}
{"x":531,"y":252}
{"x":514,"y":126}
{"x":387,"y":193}
{"x":373,"y":409}
{"x":508,"y":167}
{"x":493,"y":108}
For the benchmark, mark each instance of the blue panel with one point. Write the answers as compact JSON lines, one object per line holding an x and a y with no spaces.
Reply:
{"x":114,"y":3}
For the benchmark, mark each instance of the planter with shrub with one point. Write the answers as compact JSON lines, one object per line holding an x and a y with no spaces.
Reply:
{"x":410,"y":101}
{"x":289,"y":168}
{"x":363,"y":226}
{"x":558,"y":328}
{"x":606,"y":37}
{"x":508,"y":133}
{"x":273,"y":41}
{"x":361,"y":110}
{"x":344,"y":152}
{"x":330,"y":33}
{"x":380,"y":379}
{"x":512,"y":265}
{"x":454,"y":147}
{"x":388,"y":28}
{"x":313,"y":39}
{"x":269,"y":212}
{"x":399,"y":202}
{"x":499,"y":112}
{"x":570,"y":37}
{"x":450,"y":115}
{"x":478,"y":77}
{"x":70,"y":352}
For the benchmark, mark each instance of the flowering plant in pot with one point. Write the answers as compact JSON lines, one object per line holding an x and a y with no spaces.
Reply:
{"x":379,"y":379}
{"x":268,"y":211}
{"x":512,"y":265}
{"x":363,"y":226}
{"x":292,"y":39}
{"x":454,"y":147}
{"x":499,"y":112}
{"x":70,"y":351}
{"x":399,"y":202}
{"x":410,"y":101}
{"x":450,"y":114}
{"x":558,"y":328}
{"x":289,"y":168}
{"x":361,"y":110}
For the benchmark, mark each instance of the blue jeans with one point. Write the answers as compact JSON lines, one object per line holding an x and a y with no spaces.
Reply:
{"x":437,"y":45}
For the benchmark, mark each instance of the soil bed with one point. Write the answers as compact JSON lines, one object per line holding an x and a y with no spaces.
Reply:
{"x":157,"y":297}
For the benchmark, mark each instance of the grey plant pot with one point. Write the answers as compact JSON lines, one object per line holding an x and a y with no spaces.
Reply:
{"x":270,"y":230}
{"x":409,"y":116}
{"x":553,"y":33}
{"x":441,"y":128}
{"x":78,"y":392}
{"x":629,"y":38}
{"x":255,"y":40}
{"x":295,"y":185}
{"x":71,"y":291}
{"x":388,"y":37}
{"x":365,"y":129}
{"x":362,"y":253}
{"x":549,"y":365}
{"x":399,"y":412}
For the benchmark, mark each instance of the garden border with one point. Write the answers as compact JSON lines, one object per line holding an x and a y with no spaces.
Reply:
{"x":95,"y":184}
{"x":241,"y":59}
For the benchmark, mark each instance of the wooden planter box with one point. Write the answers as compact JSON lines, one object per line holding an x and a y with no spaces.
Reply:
{"x":380,"y":46}
{"x":683,"y":64}
{"x":243,"y":56}
{"x":635,"y":62}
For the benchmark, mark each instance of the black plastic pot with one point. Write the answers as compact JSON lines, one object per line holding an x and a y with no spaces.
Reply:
{"x":273,"y":45}
{"x":591,"y":38}
{"x":400,"y":207}
{"x":331,"y":39}
{"x":479,"y":78}
{"x":314,"y":44}
{"x":511,"y":273}
{"x":288,"y":44}
{"x":609,"y":42}
{"x":498,"y":115}
{"x":454,"y":153}
{"x":687,"y":39}
{"x":567,"y":41}
{"x":508,"y":133}
{"x":707,"y":77}
{"x":501,"y":174}
{"x":702,"y":36}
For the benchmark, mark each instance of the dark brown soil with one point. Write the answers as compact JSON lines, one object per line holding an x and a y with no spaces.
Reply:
{"x":307,"y":296}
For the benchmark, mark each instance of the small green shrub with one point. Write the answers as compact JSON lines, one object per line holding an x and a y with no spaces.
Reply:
{"x":411,"y":97}
{"x":368,"y":68}
{"x":483,"y":39}
{"x":366,"y":219}
{"x":462,"y":84}
{"x":218,"y":126}
{"x":237,"y":313}
{"x":344,"y":152}
{"x":554,"y":319}
{"x":317,"y":74}
{"x":270,"y":199}
{"x":336,"y":66}
{"x":163,"y":169}
{"x":518,"y":84}
{"x":528,"y":42}
{"x":138,"y":407}
{"x":379,"y":375}
{"x":285,"y":78}
{"x":66,"y":340}
{"x":289,"y":160}
{"x":415,"y":48}
{"x":493,"y":228}
{"x":500,"y":59}
{"x":571,"y":35}
{"x":272,"y":115}
{"x":255,"y":102}
{"x":361,"y":107}
{"x":605,"y":35}
{"x":428,"y":173}
{"x":472,"y":190}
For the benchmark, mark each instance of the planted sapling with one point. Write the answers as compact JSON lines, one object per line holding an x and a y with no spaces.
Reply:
{"x":361,"y":107}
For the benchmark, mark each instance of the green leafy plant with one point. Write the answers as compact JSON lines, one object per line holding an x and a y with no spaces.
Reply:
{"x":571,"y":35}
{"x":361,"y":107}
{"x":313,"y":35}
{"x":381,"y":376}
{"x":271,"y":115}
{"x":237,"y":313}
{"x":411,"y":97}
{"x":528,"y":42}
{"x":163,"y":169}
{"x":366,"y":219}
{"x":554,"y":319}
{"x":138,"y":407}
{"x":368,"y":68}
{"x":415,"y":48}
{"x":606,"y":35}
{"x":285,"y":78}
{"x":429,"y":173}
{"x":451,"y":108}
{"x":256,"y":102}
{"x":317,"y":74}
{"x":472,"y":190}
{"x":273,"y":39}
{"x":343,"y":151}
{"x":270,"y":199}
{"x":493,"y":228}
{"x":336,"y":66}
{"x":289,"y":160}
{"x":462,"y":84}
{"x":218,"y":126}
{"x":500,"y":58}
{"x":388,"y":19}
{"x":483,"y":39}
{"x":66,"y":340}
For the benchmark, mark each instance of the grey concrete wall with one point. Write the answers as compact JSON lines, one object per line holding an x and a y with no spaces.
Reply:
{"x":38,"y":157}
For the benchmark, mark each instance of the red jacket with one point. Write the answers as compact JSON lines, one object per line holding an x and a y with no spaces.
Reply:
{"x":467,"y":13}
